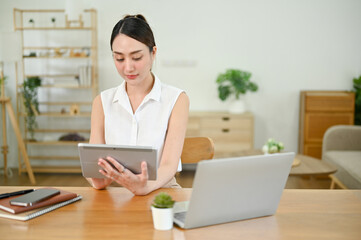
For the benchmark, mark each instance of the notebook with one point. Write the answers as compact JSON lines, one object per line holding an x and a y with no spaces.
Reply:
{"x":24,"y":216}
{"x":232,"y":189}
{"x":63,"y":196}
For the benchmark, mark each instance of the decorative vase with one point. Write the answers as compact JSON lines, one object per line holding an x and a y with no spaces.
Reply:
{"x":237,"y":106}
{"x":162,"y":218}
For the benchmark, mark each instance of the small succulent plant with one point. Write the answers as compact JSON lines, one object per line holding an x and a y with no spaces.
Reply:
{"x":163,"y":200}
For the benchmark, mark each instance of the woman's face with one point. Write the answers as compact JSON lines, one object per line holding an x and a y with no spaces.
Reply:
{"x":132,"y":59}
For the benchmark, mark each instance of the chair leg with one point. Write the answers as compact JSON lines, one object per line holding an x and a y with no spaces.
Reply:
{"x":332,"y":184}
{"x":336,"y":181}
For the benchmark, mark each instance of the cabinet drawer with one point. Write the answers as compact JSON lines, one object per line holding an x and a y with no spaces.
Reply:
{"x":229,"y":136}
{"x":223,"y":149}
{"x":316,"y":124}
{"x":193,"y":127}
{"x":230,"y":133}
{"x":336,"y":102}
{"x":227,"y":123}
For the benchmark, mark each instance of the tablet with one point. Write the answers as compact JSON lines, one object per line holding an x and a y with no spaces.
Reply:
{"x":129,"y":156}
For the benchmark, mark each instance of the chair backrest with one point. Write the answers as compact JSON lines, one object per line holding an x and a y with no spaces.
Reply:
{"x":342,"y":137}
{"x":196,"y":149}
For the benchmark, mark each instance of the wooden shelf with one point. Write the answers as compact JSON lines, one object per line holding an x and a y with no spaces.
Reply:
{"x":55,"y":169}
{"x":55,"y":57}
{"x":53,"y":75}
{"x":63,"y":86}
{"x":53,"y":143}
{"x":60,"y":115}
{"x":62,"y":130}
{"x":53,"y":28}
{"x":55,"y":157}
{"x":60,"y":47}
{"x":56,"y":114}
{"x":66,"y":86}
{"x":65,"y":103}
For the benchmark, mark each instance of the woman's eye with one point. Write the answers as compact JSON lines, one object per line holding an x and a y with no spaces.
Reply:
{"x":119,"y":59}
{"x":137,"y":58}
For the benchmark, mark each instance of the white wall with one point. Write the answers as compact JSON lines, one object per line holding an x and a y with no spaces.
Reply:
{"x":289,"y":46}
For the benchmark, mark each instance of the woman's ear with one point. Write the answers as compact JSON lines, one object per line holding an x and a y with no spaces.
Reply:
{"x":154,"y":52}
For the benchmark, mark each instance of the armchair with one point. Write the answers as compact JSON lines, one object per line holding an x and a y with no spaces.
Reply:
{"x":342,"y":148}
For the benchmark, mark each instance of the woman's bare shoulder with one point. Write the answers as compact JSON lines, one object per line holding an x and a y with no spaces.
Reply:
{"x":97,"y":104}
{"x":183,"y":99}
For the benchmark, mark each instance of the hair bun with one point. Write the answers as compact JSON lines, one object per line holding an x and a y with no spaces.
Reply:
{"x":139,"y":16}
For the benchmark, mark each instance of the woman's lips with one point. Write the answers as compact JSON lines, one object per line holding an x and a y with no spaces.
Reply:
{"x":131,"y":76}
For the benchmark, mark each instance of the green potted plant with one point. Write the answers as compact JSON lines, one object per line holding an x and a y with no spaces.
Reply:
{"x":235,"y":83}
{"x":357,"y":90}
{"x":272,"y":146}
{"x":162,"y":211}
{"x":31,"y":103}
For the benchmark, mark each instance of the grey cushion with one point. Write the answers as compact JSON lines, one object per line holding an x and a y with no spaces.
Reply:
{"x":348,"y":165}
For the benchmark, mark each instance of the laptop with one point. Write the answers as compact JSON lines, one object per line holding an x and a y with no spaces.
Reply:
{"x":232,"y":189}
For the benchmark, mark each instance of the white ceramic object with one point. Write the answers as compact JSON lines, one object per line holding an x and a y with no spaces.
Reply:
{"x":237,"y":106}
{"x":162,"y":218}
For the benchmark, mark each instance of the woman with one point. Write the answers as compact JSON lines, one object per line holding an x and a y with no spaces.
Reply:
{"x":141,"y":111}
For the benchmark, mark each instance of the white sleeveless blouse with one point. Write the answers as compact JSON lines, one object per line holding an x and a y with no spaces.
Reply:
{"x":148,"y":125}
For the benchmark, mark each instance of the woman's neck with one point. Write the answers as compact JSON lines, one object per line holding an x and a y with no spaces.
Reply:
{"x":141,"y":89}
{"x":136,"y":93}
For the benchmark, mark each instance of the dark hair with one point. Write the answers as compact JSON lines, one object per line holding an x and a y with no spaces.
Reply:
{"x":134,"y":26}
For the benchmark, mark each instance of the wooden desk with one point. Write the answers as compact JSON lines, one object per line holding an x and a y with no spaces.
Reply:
{"x":117,"y":214}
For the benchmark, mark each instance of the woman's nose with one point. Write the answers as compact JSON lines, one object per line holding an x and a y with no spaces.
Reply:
{"x":128,"y":66}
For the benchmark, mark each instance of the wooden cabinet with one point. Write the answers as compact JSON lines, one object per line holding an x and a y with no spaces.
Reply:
{"x":231,"y":133}
{"x":63,"y":54}
{"x":320,"y":110}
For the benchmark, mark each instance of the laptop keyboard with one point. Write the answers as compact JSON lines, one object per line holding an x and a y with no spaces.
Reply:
{"x":181,"y":216}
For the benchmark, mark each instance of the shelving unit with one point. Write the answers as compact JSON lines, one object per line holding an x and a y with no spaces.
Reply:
{"x":63,"y":54}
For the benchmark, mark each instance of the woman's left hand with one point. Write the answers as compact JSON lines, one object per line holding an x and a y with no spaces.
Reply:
{"x":136,"y":183}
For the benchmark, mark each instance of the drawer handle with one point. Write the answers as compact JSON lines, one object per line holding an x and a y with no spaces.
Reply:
{"x":225,"y":118}
{"x":225,"y":130}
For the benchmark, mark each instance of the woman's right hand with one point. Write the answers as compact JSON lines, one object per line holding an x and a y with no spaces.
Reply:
{"x":100,"y":183}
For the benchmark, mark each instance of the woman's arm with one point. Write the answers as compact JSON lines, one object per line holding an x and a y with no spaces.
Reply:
{"x":97,"y":137}
{"x":173,"y":144}
{"x":172,"y":150}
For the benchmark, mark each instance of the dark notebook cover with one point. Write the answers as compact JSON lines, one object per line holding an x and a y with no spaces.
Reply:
{"x":37,"y":212}
{"x":63,"y":196}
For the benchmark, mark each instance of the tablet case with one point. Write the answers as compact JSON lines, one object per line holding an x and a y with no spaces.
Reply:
{"x":129,"y":156}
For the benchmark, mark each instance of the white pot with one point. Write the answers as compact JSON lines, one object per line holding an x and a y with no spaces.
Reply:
{"x":162,"y":218}
{"x":237,"y":106}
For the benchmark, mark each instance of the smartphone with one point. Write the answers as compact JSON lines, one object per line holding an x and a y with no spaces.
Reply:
{"x":38,"y":195}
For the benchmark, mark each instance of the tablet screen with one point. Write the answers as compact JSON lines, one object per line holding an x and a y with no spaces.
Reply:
{"x":129,"y":156}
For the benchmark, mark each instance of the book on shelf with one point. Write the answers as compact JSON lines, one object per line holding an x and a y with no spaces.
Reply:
{"x":85,"y":75}
{"x":37,"y":209}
